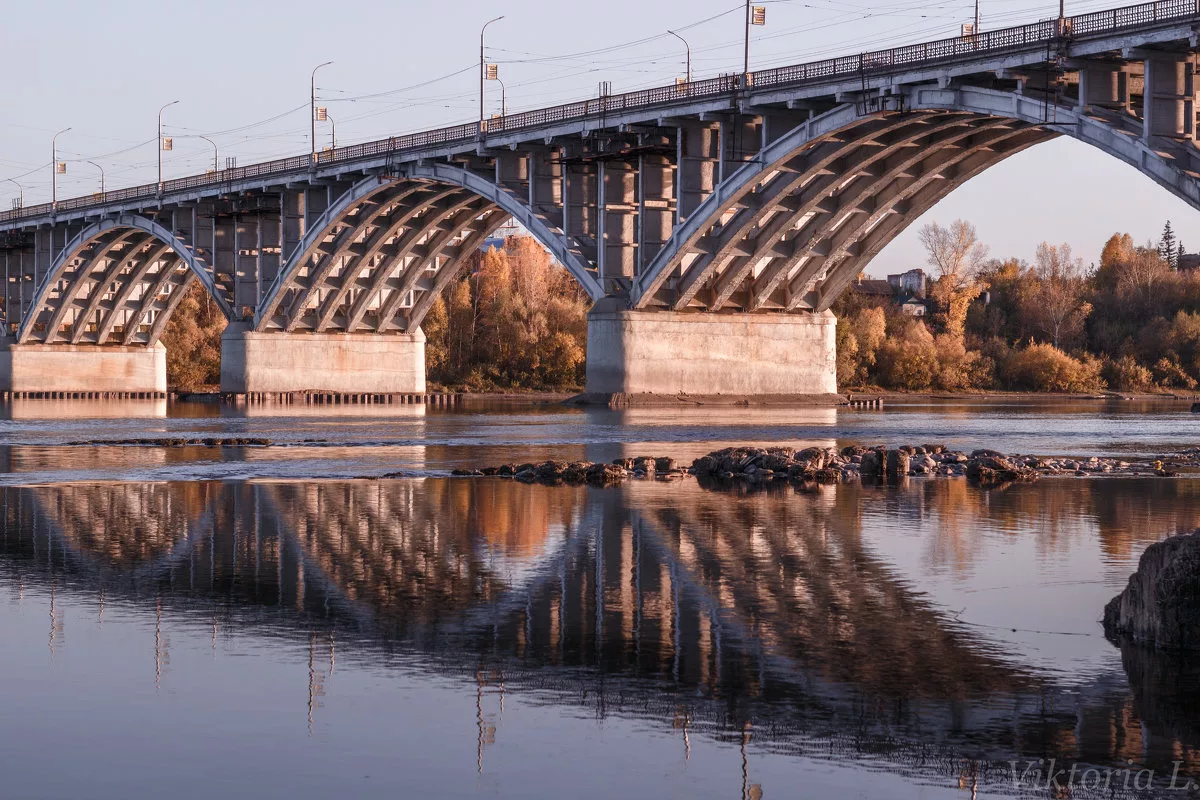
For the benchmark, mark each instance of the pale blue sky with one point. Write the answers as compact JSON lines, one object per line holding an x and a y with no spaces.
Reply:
{"x":241,"y":71}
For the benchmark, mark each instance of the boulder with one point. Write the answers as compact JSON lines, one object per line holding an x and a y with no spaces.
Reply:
{"x":706,"y":465}
{"x":1161,"y":605}
{"x":988,"y":470}
{"x":664,"y":464}
{"x":873,"y":463}
{"x":550,"y":470}
{"x":898,"y":462}
{"x":812,"y":458}
{"x":606,"y":474}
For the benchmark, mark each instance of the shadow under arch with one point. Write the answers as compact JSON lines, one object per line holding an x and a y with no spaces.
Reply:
{"x":118,"y":265}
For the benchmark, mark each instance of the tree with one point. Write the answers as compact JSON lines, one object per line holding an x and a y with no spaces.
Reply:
{"x":1118,"y":251}
{"x":193,"y":341}
{"x":1052,"y":300}
{"x":956,"y":255}
{"x":1166,"y":246}
{"x":1142,"y":273}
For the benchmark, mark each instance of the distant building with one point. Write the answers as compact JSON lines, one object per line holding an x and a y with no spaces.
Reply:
{"x":502,"y":233}
{"x":904,"y":292}
{"x":875,"y":288}
{"x":909,"y":284}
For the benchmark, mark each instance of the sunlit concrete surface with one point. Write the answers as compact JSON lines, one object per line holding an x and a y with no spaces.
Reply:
{"x":66,"y":368}
{"x":332,"y":362}
{"x":662,"y":352}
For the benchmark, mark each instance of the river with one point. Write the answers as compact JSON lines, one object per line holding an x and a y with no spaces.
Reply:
{"x":279,"y":621}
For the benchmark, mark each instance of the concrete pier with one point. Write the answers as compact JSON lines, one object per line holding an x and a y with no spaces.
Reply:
{"x":670,"y":353}
{"x":337,"y":363}
{"x":63,"y":370}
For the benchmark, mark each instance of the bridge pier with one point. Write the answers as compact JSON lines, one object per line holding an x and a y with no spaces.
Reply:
{"x":338,"y":363}
{"x":698,"y":353}
{"x":77,"y":370}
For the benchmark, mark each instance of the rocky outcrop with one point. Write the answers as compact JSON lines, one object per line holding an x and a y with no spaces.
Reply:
{"x":989,"y":468}
{"x":1161,"y":605}
{"x":757,"y":466}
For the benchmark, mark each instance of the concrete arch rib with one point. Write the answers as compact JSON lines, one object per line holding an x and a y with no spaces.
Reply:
{"x":728,"y":193}
{"x":1071,"y":121}
{"x":574,"y":263}
{"x":756,"y":227}
{"x":335,"y":215}
{"x":87,"y":251}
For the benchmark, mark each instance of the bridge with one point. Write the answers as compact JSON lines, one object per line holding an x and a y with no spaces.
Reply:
{"x":713,"y":222}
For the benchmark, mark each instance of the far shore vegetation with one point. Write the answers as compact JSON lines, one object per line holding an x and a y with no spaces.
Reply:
{"x":1130,"y":323}
{"x":515,"y":321}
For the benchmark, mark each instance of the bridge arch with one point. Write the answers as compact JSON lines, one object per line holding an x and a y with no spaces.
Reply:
{"x":382,"y":253}
{"x":791,"y":228}
{"x":116,"y":282}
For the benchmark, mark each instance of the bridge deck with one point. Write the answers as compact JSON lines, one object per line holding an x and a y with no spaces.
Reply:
{"x":1079,"y":35}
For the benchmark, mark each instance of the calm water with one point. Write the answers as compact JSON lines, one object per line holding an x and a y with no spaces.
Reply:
{"x":194,"y":622}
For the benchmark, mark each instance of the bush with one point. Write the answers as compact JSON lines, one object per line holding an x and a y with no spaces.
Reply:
{"x":1045,"y":368}
{"x":1168,"y":372}
{"x":908,"y":359}
{"x":1127,"y":375}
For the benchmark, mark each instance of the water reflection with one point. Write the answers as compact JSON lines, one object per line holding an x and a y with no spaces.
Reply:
{"x":771,"y":617}
{"x":29,"y":409}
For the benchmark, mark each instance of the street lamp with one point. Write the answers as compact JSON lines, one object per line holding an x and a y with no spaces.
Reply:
{"x":161,"y":142}
{"x":755,"y":15}
{"x":20,"y":192}
{"x":483,"y":70}
{"x":54,"y":168}
{"x":689,"y":54}
{"x":97,"y":166}
{"x":214,"y":146}
{"x":312,"y":109}
{"x":332,"y":130}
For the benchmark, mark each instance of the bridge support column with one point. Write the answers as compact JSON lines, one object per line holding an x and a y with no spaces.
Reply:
{"x":338,"y":363}
{"x":82,"y":369}
{"x":738,"y":355}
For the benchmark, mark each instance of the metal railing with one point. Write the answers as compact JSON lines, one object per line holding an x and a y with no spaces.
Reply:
{"x":862,"y":65}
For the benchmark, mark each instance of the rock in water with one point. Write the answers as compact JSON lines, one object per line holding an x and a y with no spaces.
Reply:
{"x":897,"y":465}
{"x":1161,"y":605}
{"x":873,"y":463}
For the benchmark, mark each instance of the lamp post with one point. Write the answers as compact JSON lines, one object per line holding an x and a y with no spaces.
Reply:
{"x":332,"y":131}
{"x":54,"y":168}
{"x":214,"y":147}
{"x":20,"y":192}
{"x":312,"y":109}
{"x":689,"y":54}
{"x":97,"y":166}
{"x":483,"y":69}
{"x":755,"y":15}
{"x":160,"y":141}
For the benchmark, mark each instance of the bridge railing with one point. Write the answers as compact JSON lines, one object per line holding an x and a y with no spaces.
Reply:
{"x":861,"y":65}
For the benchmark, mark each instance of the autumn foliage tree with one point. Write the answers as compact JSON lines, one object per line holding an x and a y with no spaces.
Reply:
{"x":514,"y":320}
{"x":193,"y":342}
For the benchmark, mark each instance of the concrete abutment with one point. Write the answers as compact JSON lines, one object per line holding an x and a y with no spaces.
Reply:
{"x":672,"y":353}
{"x":64,"y":370}
{"x":337,"y":363}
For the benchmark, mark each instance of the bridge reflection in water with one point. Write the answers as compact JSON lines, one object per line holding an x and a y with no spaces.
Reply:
{"x":765,"y":618}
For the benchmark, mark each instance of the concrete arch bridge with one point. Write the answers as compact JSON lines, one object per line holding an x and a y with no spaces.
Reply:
{"x":712,"y":223}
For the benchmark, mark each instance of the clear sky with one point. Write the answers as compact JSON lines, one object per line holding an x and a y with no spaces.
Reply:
{"x":241,"y":73}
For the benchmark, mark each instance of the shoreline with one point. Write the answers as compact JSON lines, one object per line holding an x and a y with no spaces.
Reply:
{"x":870,"y":398}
